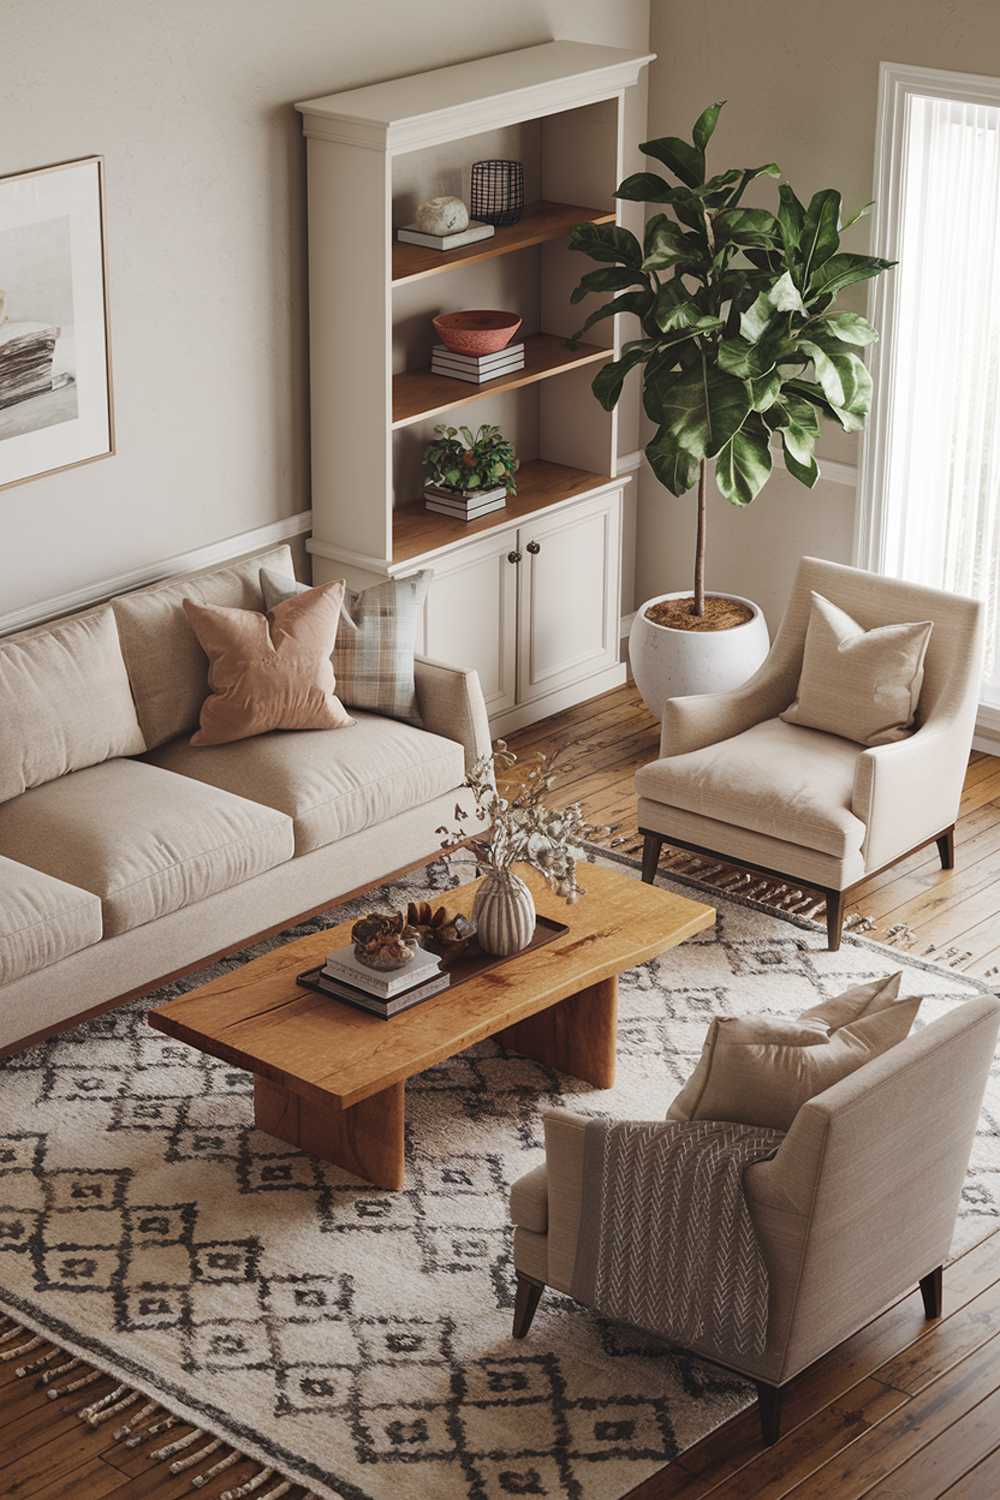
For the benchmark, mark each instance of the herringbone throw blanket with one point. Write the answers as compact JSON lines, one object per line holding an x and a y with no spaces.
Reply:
{"x":666,"y":1239}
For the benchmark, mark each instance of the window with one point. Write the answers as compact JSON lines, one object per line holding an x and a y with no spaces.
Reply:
{"x":930,"y":486}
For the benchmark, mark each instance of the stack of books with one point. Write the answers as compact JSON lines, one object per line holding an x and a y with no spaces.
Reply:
{"x":382,"y":992}
{"x":464,"y":507}
{"x":477,"y":368}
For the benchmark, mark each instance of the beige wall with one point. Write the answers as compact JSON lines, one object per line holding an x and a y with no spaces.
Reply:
{"x":190,"y":104}
{"x":801,"y":81}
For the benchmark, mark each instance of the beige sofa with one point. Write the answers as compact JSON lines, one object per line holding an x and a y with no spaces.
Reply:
{"x":126,"y":856}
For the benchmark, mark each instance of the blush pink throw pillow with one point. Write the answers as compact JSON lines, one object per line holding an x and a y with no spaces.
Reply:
{"x":269,"y":671}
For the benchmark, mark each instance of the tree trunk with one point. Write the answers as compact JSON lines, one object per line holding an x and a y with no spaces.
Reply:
{"x":699,"y":546}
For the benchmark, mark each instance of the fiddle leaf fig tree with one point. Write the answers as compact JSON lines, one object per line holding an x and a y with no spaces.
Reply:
{"x":740,"y":340}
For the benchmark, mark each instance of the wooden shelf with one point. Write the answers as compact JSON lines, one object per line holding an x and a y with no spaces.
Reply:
{"x":420,"y":393}
{"x":416,"y":530}
{"x":540,"y":222}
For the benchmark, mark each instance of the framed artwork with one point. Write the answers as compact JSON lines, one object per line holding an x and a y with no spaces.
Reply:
{"x":55,"y":354}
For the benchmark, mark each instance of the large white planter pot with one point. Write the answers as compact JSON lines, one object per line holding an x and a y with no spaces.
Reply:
{"x":668,"y":663}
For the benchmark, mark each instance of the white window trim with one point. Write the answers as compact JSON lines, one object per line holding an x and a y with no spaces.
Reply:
{"x":898,"y":83}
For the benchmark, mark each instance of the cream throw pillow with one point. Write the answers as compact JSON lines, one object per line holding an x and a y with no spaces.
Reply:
{"x":760,"y":1070}
{"x":863,"y":685}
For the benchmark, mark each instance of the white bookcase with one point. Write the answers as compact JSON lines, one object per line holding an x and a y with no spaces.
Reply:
{"x":530,"y":595}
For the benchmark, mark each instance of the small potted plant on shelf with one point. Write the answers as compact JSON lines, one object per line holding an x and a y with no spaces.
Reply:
{"x":523,"y":830}
{"x":468,"y":474}
{"x":741,"y":348}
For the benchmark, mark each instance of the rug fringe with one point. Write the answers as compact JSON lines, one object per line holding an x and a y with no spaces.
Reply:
{"x":149,"y":1422}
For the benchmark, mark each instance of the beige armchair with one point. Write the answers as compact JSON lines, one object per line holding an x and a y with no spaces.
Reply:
{"x":734,"y":781}
{"x":857,"y":1207}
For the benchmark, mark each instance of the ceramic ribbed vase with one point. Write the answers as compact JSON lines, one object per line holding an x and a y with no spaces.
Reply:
{"x":504,"y":913}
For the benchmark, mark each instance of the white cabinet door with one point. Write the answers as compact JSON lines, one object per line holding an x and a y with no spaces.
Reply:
{"x":470,"y":618}
{"x":570,"y":590}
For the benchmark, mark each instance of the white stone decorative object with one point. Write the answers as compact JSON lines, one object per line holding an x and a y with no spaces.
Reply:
{"x":442,"y":215}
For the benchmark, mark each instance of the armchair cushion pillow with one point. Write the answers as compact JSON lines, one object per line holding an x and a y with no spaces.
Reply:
{"x":374,"y":650}
{"x":269,"y":671}
{"x":760,"y":1070}
{"x":863,"y":685}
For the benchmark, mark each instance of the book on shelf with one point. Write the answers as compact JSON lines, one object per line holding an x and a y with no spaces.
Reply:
{"x":463,"y":515}
{"x":343,"y":964}
{"x":471,"y":377}
{"x":374,"y":1004}
{"x":464,"y":507}
{"x":411,"y":235}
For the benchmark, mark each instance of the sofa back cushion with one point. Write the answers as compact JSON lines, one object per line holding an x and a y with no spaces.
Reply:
{"x":166,"y":665}
{"x":65,"y":701}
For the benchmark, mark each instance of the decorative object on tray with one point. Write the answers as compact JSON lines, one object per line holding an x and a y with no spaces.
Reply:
{"x":497,"y":192}
{"x":55,"y":371}
{"x":523,"y":830}
{"x":380,"y":941}
{"x":477,"y":330}
{"x":758,"y":351}
{"x":468,"y":474}
{"x":442,"y":223}
{"x":447,"y":933}
{"x":477,"y":369}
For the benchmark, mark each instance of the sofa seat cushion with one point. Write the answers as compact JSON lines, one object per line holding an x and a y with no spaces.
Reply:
{"x":529,"y":1200}
{"x":143,"y":840}
{"x":42,"y":920}
{"x":330,"y":784}
{"x":791,"y":783}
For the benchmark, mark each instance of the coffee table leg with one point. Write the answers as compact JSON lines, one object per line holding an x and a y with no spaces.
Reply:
{"x":576,"y":1036}
{"x":366,"y":1139}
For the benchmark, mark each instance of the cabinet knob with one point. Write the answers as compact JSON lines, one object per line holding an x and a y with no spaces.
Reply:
{"x":534,"y":548}
{"x":513,"y":557}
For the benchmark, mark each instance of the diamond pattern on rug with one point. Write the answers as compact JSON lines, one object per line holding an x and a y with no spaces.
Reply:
{"x":363,"y":1337}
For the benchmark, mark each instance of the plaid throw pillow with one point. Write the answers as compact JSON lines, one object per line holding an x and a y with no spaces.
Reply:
{"x":376,"y":639}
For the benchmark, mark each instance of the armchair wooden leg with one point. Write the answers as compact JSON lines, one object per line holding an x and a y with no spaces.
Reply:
{"x":526,"y":1300}
{"x":946,"y":848}
{"x":834,"y":919}
{"x":769,"y":1402}
{"x":932,"y":1289}
{"x":652,"y":844}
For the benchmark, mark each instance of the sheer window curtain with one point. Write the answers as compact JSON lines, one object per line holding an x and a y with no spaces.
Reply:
{"x":930,"y":484}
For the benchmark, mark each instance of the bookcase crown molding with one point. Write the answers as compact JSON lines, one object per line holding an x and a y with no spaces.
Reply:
{"x":426,"y":109}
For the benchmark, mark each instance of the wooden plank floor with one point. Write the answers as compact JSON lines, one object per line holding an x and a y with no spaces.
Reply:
{"x":905,"y":1410}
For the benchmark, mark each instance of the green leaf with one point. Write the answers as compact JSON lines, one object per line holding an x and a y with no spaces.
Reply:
{"x":820,"y":236}
{"x":827,"y":372}
{"x":764,"y":391}
{"x":843,"y":270}
{"x":700,"y":408}
{"x":666,"y":244}
{"x":748,"y":361}
{"x":791,"y":218}
{"x":606,"y":279}
{"x":746,"y":226}
{"x":769,"y":169}
{"x":805,"y":471}
{"x":744,"y":465}
{"x":674,"y":307}
{"x":704,"y":126}
{"x":609,"y":242}
{"x":673,"y":467}
{"x":629,"y":302}
{"x":607,"y":383}
{"x":683,"y":159}
{"x":784,"y":295}
{"x":849,"y":327}
{"x":644,"y":187}
{"x":861,"y":213}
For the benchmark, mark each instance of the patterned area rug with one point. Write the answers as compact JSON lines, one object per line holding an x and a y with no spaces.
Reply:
{"x":355,"y":1340}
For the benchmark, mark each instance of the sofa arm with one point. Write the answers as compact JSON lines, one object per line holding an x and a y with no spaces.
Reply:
{"x":908,"y":791}
{"x":451,"y":704}
{"x":706,"y":718}
{"x":565,"y":1135}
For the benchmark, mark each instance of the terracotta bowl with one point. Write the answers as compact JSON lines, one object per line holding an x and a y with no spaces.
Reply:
{"x":477,"y":331}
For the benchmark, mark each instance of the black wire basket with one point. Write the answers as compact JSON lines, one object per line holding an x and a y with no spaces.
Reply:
{"x":497,"y":193}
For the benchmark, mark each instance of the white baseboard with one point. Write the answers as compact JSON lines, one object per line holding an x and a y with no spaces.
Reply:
{"x":184,"y":562}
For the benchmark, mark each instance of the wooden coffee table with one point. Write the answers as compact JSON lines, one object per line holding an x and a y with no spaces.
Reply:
{"x":330,"y":1079}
